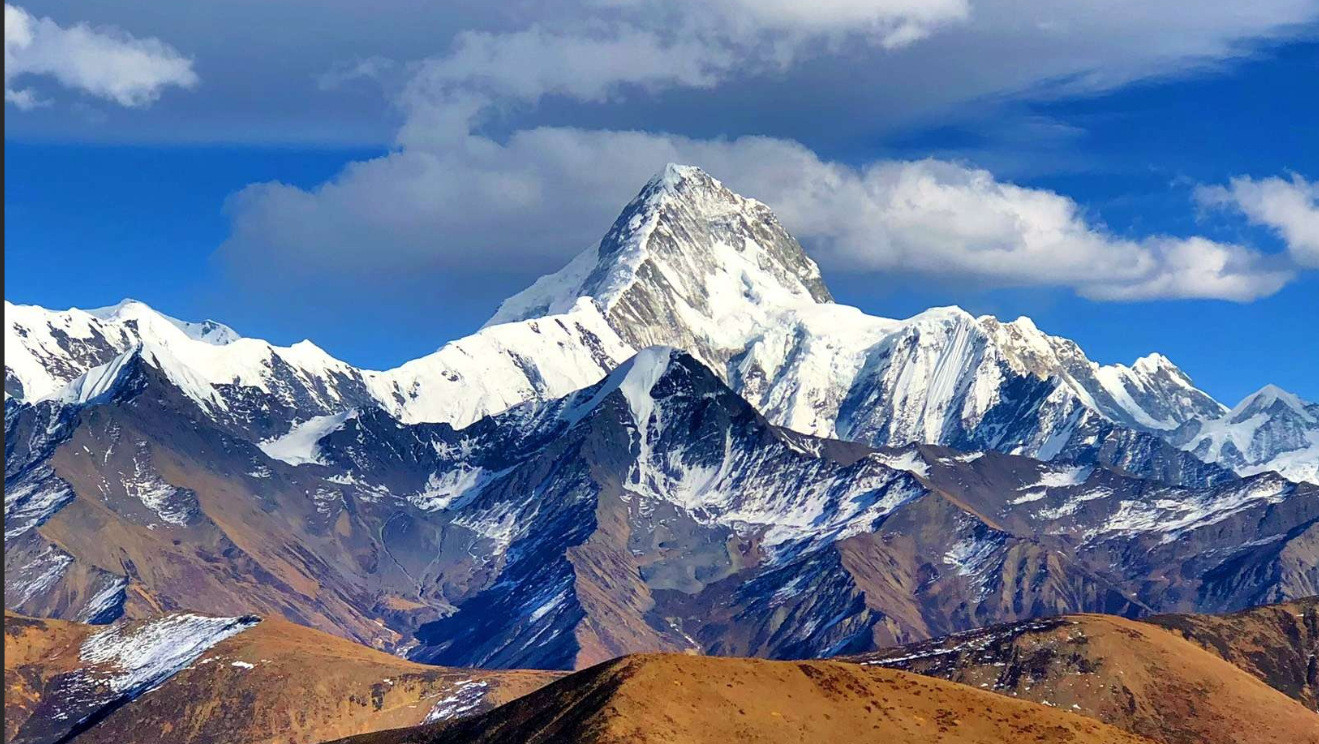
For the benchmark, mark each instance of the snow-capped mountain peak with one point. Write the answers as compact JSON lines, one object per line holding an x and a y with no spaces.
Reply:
{"x":134,"y":311}
{"x":1272,"y":398}
{"x":1271,"y":429}
{"x":687,"y":255}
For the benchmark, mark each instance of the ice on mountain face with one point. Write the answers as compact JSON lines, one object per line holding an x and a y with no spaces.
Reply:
{"x":300,"y":445}
{"x":452,"y":489}
{"x":1072,"y":504}
{"x":1028,"y":496}
{"x":1063,"y":476}
{"x":134,"y":658}
{"x":173,"y":505}
{"x":105,"y":601}
{"x":908,"y":460}
{"x":95,"y":382}
{"x":976,"y":556}
{"x":971,"y":555}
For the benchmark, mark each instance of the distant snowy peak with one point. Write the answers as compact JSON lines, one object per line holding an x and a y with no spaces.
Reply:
{"x":249,"y":387}
{"x":687,"y":256}
{"x":1152,"y":394}
{"x":1273,"y":401}
{"x":1270,"y":430}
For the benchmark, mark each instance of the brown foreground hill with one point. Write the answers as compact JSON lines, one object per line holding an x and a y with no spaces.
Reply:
{"x":274,"y":682}
{"x":1277,"y":643}
{"x":680,"y":699}
{"x":1178,"y":679}
{"x":36,"y":652}
{"x":1136,"y":676}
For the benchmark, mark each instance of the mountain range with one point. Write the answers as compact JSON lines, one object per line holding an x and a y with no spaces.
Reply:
{"x":679,"y":442}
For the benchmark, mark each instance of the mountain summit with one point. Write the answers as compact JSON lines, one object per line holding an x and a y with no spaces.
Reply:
{"x":689,"y":264}
{"x":692,"y":265}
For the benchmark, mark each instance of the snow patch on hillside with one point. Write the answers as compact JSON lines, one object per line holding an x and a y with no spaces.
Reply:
{"x":301,"y":444}
{"x":135,"y":658}
{"x":466,"y":697}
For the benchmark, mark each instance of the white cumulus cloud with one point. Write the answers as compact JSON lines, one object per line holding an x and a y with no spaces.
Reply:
{"x":452,"y":199}
{"x":1289,"y":207}
{"x":102,"y":62}
{"x":540,"y":196}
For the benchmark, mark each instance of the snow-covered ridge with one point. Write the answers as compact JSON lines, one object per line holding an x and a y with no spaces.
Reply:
{"x":134,"y":658}
{"x":690,"y":265}
{"x":44,"y":349}
{"x":130,"y":311}
{"x":728,"y":480}
{"x":273,"y":389}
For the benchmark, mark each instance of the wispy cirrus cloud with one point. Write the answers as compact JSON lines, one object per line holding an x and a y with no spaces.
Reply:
{"x":103,"y":62}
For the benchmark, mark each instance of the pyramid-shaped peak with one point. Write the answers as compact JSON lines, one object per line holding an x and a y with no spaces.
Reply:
{"x":684,"y":256}
{"x":1269,"y":395}
{"x":676,"y":175}
{"x":1154,"y":363}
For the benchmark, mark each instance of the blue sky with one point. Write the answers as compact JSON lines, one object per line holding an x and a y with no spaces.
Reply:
{"x":202,"y":190}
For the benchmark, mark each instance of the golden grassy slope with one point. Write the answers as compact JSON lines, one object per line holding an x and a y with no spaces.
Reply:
{"x":35,"y":651}
{"x":302,"y":686}
{"x":678,"y":699}
{"x":1133,"y":675}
